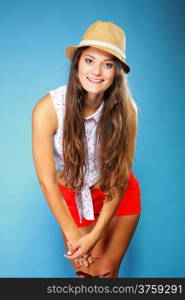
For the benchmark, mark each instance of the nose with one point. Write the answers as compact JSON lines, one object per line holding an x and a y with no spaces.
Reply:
{"x":97,"y":69}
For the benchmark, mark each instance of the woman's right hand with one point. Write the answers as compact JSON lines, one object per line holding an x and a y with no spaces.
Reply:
{"x":86,"y":260}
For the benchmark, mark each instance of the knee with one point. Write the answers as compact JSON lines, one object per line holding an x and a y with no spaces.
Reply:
{"x":111,"y":268}
{"x":114,"y":274}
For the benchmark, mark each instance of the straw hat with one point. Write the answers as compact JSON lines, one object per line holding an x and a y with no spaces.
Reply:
{"x":105,"y":36}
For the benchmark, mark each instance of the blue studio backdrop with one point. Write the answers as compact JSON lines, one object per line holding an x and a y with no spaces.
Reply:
{"x":34,"y":35}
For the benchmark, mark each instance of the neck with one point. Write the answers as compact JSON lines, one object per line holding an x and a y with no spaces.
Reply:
{"x":93,"y":101}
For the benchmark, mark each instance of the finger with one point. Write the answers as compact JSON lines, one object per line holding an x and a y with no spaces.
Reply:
{"x":90,"y":260}
{"x":87,"y":258}
{"x":81,"y":263}
{"x":72,"y":256}
{"x":71,"y":247}
{"x":76,"y":254}
{"x":69,"y":256}
{"x":85,"y":262}
{"x":76,"y":261}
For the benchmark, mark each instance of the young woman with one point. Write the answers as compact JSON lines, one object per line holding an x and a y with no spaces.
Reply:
{"x":83,"y":139}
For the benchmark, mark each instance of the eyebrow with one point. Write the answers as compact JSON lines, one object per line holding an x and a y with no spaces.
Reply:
{"x":104,"y":59}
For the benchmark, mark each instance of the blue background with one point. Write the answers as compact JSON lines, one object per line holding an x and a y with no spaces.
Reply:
{"x":34,"y":35}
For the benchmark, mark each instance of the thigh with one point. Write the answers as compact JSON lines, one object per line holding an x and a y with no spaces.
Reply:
{"x":112,"y":246}
{"x":115,"y":241}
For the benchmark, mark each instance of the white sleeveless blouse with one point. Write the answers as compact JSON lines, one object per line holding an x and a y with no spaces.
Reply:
{"x":83,"y":198}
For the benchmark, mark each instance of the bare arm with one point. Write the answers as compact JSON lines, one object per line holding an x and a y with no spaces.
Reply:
{"x":107,"y":212}
{"x":44,"y":124}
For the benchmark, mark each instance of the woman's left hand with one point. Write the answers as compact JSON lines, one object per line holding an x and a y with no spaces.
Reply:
{"x":83,"y":247}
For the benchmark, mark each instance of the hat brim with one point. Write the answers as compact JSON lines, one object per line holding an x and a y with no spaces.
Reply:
{"x":70,"y":51}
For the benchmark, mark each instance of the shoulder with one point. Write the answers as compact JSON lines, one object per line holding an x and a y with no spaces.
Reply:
{"x":45,"y":105}
{"x":133,"y":108}
{"x":43,"y":113}
{"x":132,"y":115}
{"x":58,"y":93}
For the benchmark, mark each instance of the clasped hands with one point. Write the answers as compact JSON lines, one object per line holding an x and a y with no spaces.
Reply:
{"x":79,"y":249}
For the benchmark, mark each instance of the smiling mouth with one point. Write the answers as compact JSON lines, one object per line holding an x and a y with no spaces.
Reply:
{"x":96,"y":81}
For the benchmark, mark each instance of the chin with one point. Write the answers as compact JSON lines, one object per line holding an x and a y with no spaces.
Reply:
{"x":94,"y":89}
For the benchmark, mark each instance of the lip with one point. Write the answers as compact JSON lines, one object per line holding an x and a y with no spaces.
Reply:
{"x":90,"y":79}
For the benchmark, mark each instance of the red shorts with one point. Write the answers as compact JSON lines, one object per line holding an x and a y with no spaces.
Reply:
{"x":130,"y":203}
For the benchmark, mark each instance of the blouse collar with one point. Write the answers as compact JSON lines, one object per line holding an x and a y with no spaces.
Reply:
{"x":95,"y":116}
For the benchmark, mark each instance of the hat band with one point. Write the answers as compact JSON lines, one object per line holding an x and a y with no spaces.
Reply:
{"x":103,"y":44}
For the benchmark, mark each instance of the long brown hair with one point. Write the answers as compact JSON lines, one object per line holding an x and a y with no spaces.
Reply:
{"x":115,"y":135}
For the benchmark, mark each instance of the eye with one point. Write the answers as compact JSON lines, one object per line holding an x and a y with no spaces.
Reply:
{"x":109,"y":65}
{"x":88,"y":60}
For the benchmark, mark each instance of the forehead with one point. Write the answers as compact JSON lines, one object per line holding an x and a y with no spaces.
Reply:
{"x":97,"y":53}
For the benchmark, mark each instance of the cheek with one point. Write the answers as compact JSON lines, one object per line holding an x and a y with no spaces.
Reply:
{"x":110,"y":76}
{"x":80,"y":74}
{"x":83,"y":69}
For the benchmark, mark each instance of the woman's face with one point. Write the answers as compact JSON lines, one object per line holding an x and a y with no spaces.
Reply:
{"x":96,"y":70}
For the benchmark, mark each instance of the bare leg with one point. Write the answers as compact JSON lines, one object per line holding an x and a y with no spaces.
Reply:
{"x":84,"y":230}
{"x":113,"y":245}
